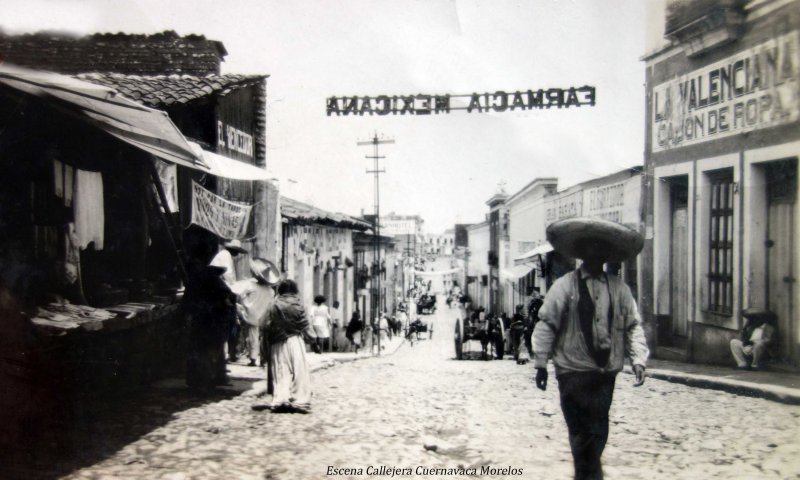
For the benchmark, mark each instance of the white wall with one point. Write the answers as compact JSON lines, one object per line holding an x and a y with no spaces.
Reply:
{"x":526,"y":217}
{"x":478,"y":250}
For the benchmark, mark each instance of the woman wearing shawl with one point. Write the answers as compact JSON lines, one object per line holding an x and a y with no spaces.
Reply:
{"x":287,"y":326}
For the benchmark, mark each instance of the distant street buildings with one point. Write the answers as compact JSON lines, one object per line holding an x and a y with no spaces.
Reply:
{"x":715,"y":197}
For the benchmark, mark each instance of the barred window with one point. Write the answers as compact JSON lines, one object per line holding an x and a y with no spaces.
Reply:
{"x":720,"y":258}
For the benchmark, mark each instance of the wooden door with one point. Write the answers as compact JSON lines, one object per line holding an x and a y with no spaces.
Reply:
{"x":780,"y":279}
{"x":680,"y":272}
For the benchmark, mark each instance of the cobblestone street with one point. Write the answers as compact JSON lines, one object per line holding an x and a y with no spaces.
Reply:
{"x":419,"y":408}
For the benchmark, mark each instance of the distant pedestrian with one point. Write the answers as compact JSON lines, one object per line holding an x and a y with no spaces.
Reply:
{"x":287,"y":328}
{"x":517,"y":332}
{"x":255,"y":295}
{"x":589,"y":322}
{"x":354,"y":329}
{"x":337,"y":333}
{"x":383,"y":331}
{"x":225,"y":259}
{"x":532,"y":318}
{"x":402,"y":321}
{"x":321,"y":321}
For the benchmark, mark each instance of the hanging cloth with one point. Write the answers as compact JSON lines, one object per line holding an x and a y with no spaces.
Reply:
{"x":168,"y":174}
{"x":68,"y":185}
{"x":58,"y":178}
{"x":88,"y":208}
{"x":63,"y":182}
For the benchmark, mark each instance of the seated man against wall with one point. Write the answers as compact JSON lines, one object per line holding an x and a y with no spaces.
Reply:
{"x":749,"y":349}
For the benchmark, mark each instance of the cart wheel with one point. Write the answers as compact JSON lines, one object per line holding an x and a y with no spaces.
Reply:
{"x":459,"y":341}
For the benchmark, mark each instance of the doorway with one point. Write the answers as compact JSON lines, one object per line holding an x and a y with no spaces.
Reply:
{"x":781,"y":199}
{"x":679,"y":255}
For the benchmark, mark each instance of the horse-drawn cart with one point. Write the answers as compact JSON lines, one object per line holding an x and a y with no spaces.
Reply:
{"x":488,"y":332}
{"x":426,"y":304}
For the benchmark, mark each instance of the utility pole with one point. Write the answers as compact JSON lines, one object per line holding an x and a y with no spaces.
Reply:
{"x":376,"y":232}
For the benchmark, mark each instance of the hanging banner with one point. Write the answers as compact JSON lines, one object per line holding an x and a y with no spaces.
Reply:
{"x":227,"y":219}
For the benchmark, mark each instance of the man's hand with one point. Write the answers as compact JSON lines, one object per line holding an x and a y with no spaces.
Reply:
{"x":541,"y":378}
{"x":638,"y":370}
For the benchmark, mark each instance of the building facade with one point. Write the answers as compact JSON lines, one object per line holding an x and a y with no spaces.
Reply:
{"x":407,"y":231}
{"x":526,"y":231}
{"x":477,"y":265}
{"x":497,"y":257}
{"x":720,"y":193}
{"x":377,"y":268}
{"x":96,"y":168}
{"x":531,"y":262}
{"x":318,"y":254}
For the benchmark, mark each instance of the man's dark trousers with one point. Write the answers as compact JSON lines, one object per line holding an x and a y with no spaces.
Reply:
{"x":585,"y":401}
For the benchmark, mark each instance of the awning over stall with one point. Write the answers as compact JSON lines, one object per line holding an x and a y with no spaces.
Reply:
{"x":517,"y":271}
{"x":423,"y":273}
{"x":222,"y":166}
{"x":143,"y":127}
{"x":530,"y":254}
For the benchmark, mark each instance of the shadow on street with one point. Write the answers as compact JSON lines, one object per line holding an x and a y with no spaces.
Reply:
{"x":72,"y":433}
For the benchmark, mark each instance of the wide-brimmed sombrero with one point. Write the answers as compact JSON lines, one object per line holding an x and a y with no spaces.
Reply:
{"x":265,"y":270}
{"x":235,"y":246}
{"x":590,"y":237}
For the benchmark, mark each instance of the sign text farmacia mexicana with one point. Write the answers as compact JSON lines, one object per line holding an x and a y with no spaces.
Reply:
{"x":498,"y":101}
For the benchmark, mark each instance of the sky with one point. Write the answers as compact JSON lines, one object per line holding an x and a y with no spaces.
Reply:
{"x":442,"y":167}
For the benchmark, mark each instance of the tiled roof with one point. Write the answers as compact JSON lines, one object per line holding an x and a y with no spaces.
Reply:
{"x":169,"y":90}
{"x":157,"y":54}
{"x":305,"y":213}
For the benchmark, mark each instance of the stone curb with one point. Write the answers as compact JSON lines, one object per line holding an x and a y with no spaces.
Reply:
{"x":777,"y":393}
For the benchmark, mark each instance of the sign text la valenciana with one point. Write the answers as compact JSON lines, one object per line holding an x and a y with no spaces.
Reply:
{"x":498,"y":101}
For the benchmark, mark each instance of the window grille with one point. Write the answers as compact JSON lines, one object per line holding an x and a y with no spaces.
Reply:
{"x":721,"y":235}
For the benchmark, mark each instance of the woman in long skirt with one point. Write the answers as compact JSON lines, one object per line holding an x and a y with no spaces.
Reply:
{"x":286,"y":330}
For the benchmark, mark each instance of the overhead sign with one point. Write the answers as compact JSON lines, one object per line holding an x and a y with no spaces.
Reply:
{"x":225,"y":218}
{"x":499,"y":101}
{"x":754,"y":89}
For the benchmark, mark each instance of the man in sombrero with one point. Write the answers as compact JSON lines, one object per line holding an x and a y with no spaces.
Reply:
{"x":588,"y":323}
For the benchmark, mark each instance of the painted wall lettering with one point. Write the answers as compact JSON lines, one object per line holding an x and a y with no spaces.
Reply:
{"x":234,"y":139}
{"x":754,"y":89}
